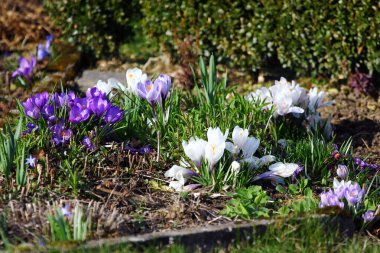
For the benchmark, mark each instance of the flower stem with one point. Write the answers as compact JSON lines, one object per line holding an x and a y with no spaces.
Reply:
{"x":158,"y":146}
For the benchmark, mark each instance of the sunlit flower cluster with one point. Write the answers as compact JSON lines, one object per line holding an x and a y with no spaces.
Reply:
{"x":343,"y":193}
{"x":138,"y":83}
{"x":64,"y":111}
{"x":285,"y":98}
{"x":209,"y":152}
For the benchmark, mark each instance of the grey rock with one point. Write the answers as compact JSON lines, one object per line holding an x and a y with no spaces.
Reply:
{"x":89,"y":78}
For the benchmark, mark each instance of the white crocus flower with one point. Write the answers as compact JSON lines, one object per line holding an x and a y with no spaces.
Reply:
{"x":267,"y":159}
{"x":239,"y":137}
{"x":283,"y":105}
{"x":180,"y":175}
{"x":263,"y":95}
{"x":292,"y":90}
{"x":134,"y":76}
{"x":107,"y":87}
{"x":118,"y":85}
{"x":195,"y":150}
{"x":250,"y":147}
{"x":216,"y":143}
{"x":252,"y":162}
{"x":316,"y":99}
{"x":283,"y":169}
{"x":255,"y":162}
{"x":104,"y":87}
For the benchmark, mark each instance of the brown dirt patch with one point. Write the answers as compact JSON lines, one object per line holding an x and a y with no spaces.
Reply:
{"x":357,"y":115}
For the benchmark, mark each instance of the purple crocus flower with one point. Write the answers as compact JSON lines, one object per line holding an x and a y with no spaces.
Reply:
{"x":88,"y":143}
{"x":60,"y":100}
{"x":30,"y":109}
{"x":82,"y":103}
{"x":297,"y":171}
{"x":78,"y":114}
{"x":48,"y":113}
{"x":59,"y":134}
{"x":41,"y":99}
{"x":363,"y":165}
{"x":25,"y":68}
{"x":368,"y":216}
{"x":94,"y":92}
{"x":99,"y":105}
{"x":142,"y":151}
{"x":113,"y":115}
{"x":70,"y":98}
{"x":165,"y":83}
{"x":342,"y":171}
{"x":330,"y":199}
{"x":149,"y":91}
{"x":269,"y":175}
{"x":354,"y":194}
{"x":66,"y":135}
{"x":31,"y":127}
{"x":44,"y":51}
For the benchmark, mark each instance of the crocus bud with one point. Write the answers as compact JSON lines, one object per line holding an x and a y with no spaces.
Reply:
{"x":342,"y":171}
{"x":336,"y":154}
{"x":235,"y":167}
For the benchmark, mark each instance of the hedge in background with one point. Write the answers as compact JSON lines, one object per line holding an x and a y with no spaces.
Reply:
{"x":308,"y":36}
{"x":96,"y":26}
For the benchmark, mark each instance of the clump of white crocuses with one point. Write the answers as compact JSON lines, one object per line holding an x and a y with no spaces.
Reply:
{"x":289,"y":98}
{"x":198,"y":150}
{"x":205,"y":156}
{"x":244,"y":147}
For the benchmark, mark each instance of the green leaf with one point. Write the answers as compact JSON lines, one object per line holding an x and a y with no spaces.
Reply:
{"x":280,"y":188}
{"x":293,"y":189}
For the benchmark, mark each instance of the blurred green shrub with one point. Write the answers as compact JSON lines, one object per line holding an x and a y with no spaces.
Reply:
{"x":96,"y":26}
{"x":311,"y":37}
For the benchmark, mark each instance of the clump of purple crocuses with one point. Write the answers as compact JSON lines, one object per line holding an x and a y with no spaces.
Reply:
{"x":344,"y":194}
{"x":65,"y":115}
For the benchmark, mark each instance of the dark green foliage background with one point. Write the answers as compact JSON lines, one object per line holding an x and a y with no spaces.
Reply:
{"x":96,"y":26}
{"x":310,"y":37}
{"x":328,"y":38}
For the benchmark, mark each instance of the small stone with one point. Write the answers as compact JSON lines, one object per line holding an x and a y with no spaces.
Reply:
{"x":371,"y":105}
{"x":333,"y":91}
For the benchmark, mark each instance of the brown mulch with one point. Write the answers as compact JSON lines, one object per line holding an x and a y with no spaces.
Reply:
{"x":23,"y":24}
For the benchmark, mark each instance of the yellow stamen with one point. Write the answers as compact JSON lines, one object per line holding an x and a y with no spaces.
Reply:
{"x":213,"y":148}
